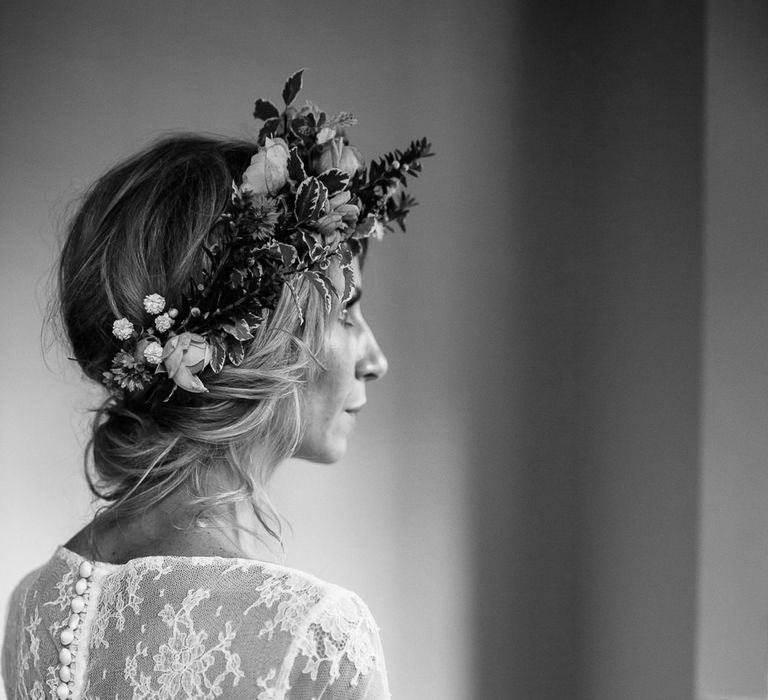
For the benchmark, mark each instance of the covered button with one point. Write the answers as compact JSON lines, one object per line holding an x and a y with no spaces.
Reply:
{"x":77,"y":604}
{"x":67,"y":635}
{"x":86,"y":569}
{"x":62,"y":691}
{"x":74,"y":621}
{"x":65,"y":656}
{"x":81,"y":586}
{"x":65,"y":674}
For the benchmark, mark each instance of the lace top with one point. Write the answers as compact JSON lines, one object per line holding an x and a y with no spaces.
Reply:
{"x":187,"y":627}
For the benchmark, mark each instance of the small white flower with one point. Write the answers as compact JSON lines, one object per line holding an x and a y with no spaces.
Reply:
{"x":122,"y":328}
{"x":153,"y":353}
{"x":154,"y":303}
{"x":163,"y":322}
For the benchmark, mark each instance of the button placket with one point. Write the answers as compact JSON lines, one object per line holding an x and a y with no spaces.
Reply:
{"x":70,"y":634}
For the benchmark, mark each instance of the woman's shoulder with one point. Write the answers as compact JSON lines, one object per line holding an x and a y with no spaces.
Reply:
{"x":223,"y":570}
{"x":251,"y":582}
{"x":273,"y":599}
{"x":247,"y":583}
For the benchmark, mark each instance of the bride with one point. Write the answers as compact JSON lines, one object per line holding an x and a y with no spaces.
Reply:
{"x":214,"y":288}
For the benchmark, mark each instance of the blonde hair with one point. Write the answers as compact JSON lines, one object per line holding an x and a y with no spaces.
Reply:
{"x":140,"y":229}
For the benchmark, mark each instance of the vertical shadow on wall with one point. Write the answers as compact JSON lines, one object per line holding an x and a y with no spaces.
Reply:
{"x":638,"y":348}
{"x":585,"y":434}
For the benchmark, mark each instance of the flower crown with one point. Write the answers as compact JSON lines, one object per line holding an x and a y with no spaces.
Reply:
{"x":305,"y":199}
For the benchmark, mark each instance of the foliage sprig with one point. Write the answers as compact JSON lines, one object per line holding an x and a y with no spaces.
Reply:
{"x":306,"y":199}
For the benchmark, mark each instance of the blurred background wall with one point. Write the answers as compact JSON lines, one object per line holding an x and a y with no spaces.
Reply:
{"x":573,"y":321}
{"x":733,"y":585}
{"x":594,"y":550}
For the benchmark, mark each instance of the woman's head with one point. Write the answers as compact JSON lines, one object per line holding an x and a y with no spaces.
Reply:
{"x":143,"y":227}
{"x":212,"y":285}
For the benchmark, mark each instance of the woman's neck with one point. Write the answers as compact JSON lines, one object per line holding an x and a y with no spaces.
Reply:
{"x":172,"y":528}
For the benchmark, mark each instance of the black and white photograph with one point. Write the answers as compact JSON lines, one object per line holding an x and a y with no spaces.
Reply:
{"x":384,"y":351}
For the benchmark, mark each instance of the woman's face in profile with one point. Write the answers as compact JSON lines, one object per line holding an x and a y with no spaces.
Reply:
{"x":352,"y":358}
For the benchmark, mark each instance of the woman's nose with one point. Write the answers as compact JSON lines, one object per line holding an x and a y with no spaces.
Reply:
{"x":373,"y":364}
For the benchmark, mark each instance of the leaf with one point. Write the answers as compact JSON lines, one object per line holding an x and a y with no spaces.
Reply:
{"x":355,"y":245}
{"x":252,"y":320}
{"x":265,"y":110}
{"x":219,"y":354}
{"x":243,"y":330}
{"x":349,"y":282}
{"x":269,"y":128}
{"x":238,"y":330}
{"x":311,"y":198}
{"x":324,"y":286}
{"x":345,"y":255}
{"x":235,"y":351}
{"x":335,"y":180}
{"x":365,"y":227}
{"x":288,"y":253}
{"x":292,"y":87}
{"x":312,"y":245}
{"x":295,"y":167}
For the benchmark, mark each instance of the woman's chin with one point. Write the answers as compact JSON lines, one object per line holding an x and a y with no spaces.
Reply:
{"x":327,"y":453}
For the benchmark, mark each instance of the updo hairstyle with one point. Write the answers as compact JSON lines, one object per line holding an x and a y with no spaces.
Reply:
{"x":140,"y":230}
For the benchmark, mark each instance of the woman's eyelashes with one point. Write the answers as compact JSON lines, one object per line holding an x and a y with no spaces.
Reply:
{"x":351,"y":307}
{"x":345,"y":317}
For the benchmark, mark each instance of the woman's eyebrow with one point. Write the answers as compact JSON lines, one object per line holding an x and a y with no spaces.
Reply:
{"x":357,"y":292}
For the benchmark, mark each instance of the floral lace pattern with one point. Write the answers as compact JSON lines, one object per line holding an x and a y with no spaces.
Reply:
{"x":120,"y":594}
{"x":168,"y":628}
{"x":293,"y":597}
{"x":30,"y":651}
{"x":183,"y":660}
{"x":271,"y":688}
{"x":343,"y":628}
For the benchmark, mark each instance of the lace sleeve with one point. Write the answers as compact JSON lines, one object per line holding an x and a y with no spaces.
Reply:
{"x":338,"y":655}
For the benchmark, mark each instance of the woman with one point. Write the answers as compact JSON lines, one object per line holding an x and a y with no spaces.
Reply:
{"x":214,"y":288}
